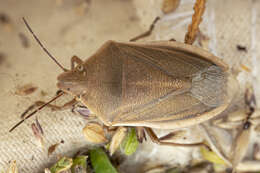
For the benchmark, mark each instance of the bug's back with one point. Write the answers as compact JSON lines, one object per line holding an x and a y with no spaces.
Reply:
{"x":153,"y":84}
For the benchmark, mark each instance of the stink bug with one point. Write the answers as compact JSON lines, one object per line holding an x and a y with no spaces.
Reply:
{"x":160,"y":84}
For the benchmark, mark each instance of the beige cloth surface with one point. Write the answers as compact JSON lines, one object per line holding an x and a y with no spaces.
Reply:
{"x":70,"y":28}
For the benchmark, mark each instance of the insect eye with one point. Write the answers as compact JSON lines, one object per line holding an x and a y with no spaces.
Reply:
{"x":80,"y":67}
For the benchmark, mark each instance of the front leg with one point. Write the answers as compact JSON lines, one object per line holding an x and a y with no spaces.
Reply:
{"x":53,"y":107}
{"x":65,"y":106}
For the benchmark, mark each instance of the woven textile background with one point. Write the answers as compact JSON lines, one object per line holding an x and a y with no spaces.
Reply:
{"x":79,"y":28}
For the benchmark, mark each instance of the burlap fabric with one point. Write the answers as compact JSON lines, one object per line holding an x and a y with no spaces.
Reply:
{"x":77,"y":28}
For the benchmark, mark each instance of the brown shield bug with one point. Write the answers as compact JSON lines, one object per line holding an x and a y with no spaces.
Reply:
{"x":160,"y":84}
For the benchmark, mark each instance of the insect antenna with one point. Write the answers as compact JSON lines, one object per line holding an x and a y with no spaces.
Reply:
{"x":44,"y":49}
{"x":31,"y":114}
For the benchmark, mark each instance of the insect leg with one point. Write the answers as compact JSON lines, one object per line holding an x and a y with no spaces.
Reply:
{"x":67,"y":105}
{"x":156,"y":140}
{"x":140,"y":134}
{"x":37,"y":103}
{"x":74,"y":60}
{"x":147,"y":33}
{"x":53,"y":107}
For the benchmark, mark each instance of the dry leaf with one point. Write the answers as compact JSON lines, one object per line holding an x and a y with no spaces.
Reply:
{"x":94,"y":133}
{"x":25,"y":90}
{"x":199,"y":8}
{"x":117,"y":139}
{"x":169,"y":6}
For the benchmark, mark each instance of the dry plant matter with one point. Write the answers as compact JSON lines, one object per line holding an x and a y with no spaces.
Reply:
{"x":169,"y":6}
{"x":25,"y":90}
{"x":199,"y":8}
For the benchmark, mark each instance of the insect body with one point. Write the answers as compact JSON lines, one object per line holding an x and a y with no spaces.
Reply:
{"x":162,"y":84}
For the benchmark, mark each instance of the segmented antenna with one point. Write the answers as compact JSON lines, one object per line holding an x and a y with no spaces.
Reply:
{"x":44,"y":49}
{"x":31,"y":114}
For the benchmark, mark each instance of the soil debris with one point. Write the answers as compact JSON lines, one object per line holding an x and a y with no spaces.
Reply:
{"x":242,"y":48}
{"x":2,"y":58}
{"x":52,"y":148}
{"x":4,"y":19}
{"x":25,"y":90}
{"x":169,"y":6}
{"x":24,"y":40}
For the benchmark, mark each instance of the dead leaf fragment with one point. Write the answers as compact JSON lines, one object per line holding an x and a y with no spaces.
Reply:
{"x":240,"y":146}
{"x":257,"y":128}
{"x":12,"y":167}
{"x":25,"y":90}
{"x":52,"y":148}
{"x":169,"y":6}
{"x":256,"y":151}
{"x":117,"y":139}
{"x":245,"y":68}
{"x":199,"y":9}
{"x":47,"y":170}
{"x":94,"y":132}
{"x":38,"y":125}
{"x":38,"y":133}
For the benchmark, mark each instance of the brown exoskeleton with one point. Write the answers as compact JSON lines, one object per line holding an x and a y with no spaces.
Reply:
{"x":160,"y":84}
